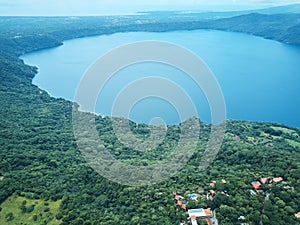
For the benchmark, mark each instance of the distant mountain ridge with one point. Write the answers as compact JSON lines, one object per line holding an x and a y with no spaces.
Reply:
{"x":293,"y":8}
{"x":281,"y":23}
{"x":280,"y":27}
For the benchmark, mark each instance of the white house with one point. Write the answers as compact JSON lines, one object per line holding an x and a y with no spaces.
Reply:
{"x":201,"y":213}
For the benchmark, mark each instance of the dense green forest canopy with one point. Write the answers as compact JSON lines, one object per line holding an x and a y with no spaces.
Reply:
{"x":44,"y":179}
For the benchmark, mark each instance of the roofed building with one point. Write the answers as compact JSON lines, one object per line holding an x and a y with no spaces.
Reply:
{"x":264,"y":180}
{"x":178,"y":197}
{"x":213,"y":183}
{"x":212,"y":192}
{"x":277,"y":179}
{"x":208,"y":211}
{"x":256,"y":185}
{"x":200,"y":213}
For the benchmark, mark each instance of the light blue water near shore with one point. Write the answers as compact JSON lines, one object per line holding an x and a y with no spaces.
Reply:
{"x":259,"y":78}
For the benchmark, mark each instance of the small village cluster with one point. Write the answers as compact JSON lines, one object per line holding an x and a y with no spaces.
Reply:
{"x":211,"y":194}
{"x":180,"y":200}
{"x":207,"y":214}
{"x":193,"y":213}
{"x":269,"y":181}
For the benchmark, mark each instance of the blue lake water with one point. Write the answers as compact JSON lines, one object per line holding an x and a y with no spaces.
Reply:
{"x":259,"y":78}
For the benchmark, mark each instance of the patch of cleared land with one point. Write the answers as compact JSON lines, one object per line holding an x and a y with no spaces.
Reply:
{"x":293,"y":143}
{"x":285,"y":130}
{"x":21,"y":210}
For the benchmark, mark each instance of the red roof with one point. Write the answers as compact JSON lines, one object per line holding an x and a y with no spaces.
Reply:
{"x":277,"y":179}
{"x":178,"y":197}
{"x":207,"y":212}
{"x":256,"y":184}
{"x":298,"y":215}
{"x":264,"y":180}
{"x":213,"y":183}
{"x":212,"y":192}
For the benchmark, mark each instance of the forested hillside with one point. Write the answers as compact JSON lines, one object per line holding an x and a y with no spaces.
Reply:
{"x":44,"y":179}
{"x":20,"y":35}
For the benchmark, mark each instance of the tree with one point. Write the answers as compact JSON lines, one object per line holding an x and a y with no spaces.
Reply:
{"x":280,"y":203}
{"x":9,"y":216}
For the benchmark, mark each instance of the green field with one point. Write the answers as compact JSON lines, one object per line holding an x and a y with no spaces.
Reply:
{"x":285,"y":130}
{"x":293,"y":143}
{"x":20,"y":210}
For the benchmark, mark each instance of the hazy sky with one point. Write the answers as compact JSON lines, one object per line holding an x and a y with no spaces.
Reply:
{"x":97,"y":7}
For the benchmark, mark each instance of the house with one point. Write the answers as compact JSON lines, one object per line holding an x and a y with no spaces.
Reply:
{"x":223,"y":181}
{"x":178,"y":197}
{"x":297,"y":215}
{"x":212,"y":192}
{"x":256,"y":185}
{"x":200,"y":213}
{"x":210,"y":195}
{"x":277,"y":179}
{"x":182,"y":205}
{"x":264,"y":180}
{"x":213,"y":183}
{"x":208,"y":211}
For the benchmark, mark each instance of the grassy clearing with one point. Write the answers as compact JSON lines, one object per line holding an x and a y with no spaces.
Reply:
{"x":293,"y":143}
{"x":293,"y":134}
{"x":284,"y":130}
{"x":18,"y":210}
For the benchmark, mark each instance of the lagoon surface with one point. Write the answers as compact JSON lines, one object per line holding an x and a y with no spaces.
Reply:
{"x":259,"y":78}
